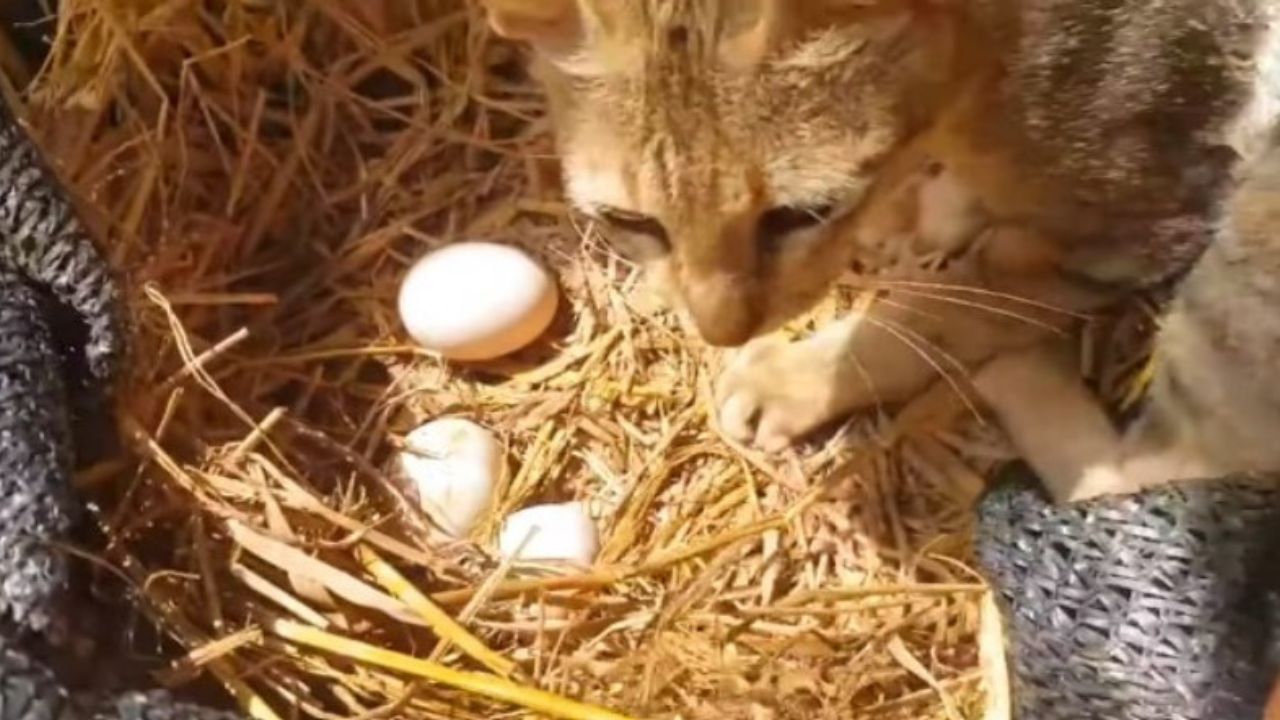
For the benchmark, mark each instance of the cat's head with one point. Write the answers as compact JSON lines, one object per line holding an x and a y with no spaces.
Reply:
{"x":727,"y":142}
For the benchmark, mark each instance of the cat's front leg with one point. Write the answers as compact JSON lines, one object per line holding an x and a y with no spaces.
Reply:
{"x":1004,"y":295}
{"x":1062,"y":431}
{"x":774,"y":391}
{"x":1057,"y":425}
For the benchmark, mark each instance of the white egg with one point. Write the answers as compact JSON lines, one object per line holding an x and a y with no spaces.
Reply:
{"x":454,"y":465}
{"x":477,"y":301}
{"x":551,"y":533}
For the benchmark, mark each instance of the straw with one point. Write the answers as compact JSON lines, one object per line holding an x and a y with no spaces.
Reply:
{"x":440,"y":621}
{"x":490,"y":686}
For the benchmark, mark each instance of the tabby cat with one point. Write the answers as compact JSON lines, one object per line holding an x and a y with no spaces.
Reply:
{"x":1037,"y":158}
{"x":1214,"y":406}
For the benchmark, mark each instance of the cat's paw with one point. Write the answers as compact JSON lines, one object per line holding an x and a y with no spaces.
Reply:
{"x":773,"y":392}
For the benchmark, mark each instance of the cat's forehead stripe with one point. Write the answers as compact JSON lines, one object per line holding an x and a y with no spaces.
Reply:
{"x":622,"y":39}
{"x":592,"y":185}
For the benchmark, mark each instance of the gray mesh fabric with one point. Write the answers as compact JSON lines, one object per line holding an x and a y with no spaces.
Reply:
{"x":35,"y":459}
{"x":48,"y":260}
{"x":1155,"y":606}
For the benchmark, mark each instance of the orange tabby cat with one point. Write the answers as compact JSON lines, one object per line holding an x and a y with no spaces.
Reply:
{"x":1061,"y":151}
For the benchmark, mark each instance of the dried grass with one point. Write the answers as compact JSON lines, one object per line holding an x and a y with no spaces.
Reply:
{"x":264,"y":173}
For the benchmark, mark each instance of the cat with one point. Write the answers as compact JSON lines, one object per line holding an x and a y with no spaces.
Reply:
{"x":1049,"y":155}
{"x":1213,"y":407}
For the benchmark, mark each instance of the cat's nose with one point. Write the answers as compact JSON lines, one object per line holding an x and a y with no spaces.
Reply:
{"x":723,"y":309}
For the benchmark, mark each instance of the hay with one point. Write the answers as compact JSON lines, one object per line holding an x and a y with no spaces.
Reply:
{"x":264,"y":173}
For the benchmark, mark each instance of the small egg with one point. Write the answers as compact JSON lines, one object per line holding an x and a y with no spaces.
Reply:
{"x":455,"y":466}
{"x":551,"y":533}
{"x":477,"y":301}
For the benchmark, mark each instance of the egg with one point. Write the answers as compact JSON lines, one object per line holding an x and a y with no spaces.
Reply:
{"x":455,"y":466}
{"x":551,"y":533}
{"x":477,"y":301}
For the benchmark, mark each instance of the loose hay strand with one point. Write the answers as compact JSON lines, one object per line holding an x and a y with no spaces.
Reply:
{"x":440,"y":621}
{"x":490,"y":686}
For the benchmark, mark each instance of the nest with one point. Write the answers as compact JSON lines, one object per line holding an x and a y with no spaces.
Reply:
{"x":263,"y":174}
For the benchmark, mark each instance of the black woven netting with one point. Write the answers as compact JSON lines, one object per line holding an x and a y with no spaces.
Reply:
{"x":36,"y":511}
{"x":1156,"y":606}
{"x":49,"y":271}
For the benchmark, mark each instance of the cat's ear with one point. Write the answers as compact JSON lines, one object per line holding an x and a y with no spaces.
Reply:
{"x":550,"y":25}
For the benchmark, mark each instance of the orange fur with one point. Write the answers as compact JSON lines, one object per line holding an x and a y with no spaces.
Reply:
{"x":752,"y":151}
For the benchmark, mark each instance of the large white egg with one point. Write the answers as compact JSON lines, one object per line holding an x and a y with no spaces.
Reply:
{"x":551,"y":533}
{"x":455,"y":466}
{"x":477,"y":301}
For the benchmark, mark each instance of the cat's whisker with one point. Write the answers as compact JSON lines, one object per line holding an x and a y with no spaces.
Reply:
{"x":866,"y":378}
{"x":891,"y":283}
{"x":921,"y":346}
{"x":918,"y":312}
{"x":920,"y":340}
{"x":984,"y":307}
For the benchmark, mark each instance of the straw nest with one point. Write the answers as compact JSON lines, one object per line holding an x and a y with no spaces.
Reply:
{"x":263,"y":173}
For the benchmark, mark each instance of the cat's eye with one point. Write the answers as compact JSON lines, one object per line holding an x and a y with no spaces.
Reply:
{"x":633,"y":222}
{"x":779,"y":222}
